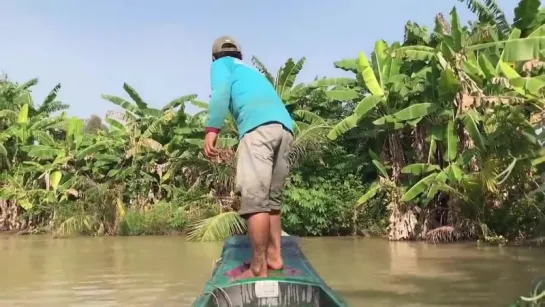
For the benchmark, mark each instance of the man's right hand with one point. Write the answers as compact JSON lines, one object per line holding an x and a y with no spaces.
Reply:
{"x":210,"y":144}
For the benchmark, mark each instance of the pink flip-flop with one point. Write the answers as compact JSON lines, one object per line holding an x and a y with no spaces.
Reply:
{"x":246,"y":266}
{"x":238,"y":270}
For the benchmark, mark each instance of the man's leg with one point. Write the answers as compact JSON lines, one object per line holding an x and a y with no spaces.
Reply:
{"x":278,"y":179}
{"x":254,"y":171}
{"x":274,"y":257}
{"x":258,"y":226}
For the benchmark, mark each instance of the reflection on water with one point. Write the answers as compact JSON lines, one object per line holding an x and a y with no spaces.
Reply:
{"x":168,"y":271}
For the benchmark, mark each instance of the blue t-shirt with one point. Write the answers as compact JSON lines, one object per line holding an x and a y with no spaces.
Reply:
{"x":247,"y":94}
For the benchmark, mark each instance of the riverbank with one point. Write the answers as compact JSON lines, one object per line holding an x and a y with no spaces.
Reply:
{"x":197,"y":220}
{"x":131,"y":231}
{"x":172,"y":220}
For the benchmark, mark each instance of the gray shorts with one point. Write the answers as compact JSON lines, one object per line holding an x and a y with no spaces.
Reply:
{"x":262,"y":168}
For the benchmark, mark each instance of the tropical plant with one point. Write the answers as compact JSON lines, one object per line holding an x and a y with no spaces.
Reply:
{"x":439,"y":110}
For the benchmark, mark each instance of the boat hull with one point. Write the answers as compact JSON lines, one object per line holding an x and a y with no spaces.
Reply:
{"x":298,"y":284}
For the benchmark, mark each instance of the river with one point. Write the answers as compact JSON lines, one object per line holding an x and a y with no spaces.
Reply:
{"x":168,"y":271}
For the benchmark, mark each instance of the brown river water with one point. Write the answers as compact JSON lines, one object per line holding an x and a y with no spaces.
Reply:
{"x":168,"y":271}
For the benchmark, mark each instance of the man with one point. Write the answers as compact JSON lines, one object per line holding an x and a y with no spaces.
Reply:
{"x":265,"y":131}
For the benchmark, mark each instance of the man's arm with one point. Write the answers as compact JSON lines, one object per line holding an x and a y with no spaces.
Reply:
{"x":220,"y":81}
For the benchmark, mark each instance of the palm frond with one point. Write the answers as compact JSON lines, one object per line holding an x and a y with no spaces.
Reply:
{"x":287,"y":74}
{"x":309,"y":116}
{"x":27,"y":84}
{"x":78,"y":224}
{"x":216,"y":228}
{"x":487,"y":12}
{"x":261,"y":67}
{"x":308,"y":138}
{"x":50,"y":105}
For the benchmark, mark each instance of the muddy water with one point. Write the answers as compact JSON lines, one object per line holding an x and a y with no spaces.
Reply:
{"x":167,"y":271}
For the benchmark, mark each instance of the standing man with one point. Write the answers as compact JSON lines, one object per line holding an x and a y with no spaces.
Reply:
{"x":265,"y":131}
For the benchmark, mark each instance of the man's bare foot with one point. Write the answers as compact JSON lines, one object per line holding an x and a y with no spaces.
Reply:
{"x":274,"y":261}
{"x":249,"y":273}
{"x":244,"y":275}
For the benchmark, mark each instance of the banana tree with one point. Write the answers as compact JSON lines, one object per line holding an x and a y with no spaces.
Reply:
{"x":489,"y":15}
{"x":149,"y":137}
{"x":396,"y":101}
{"x":284,"y":82}
{"x":529,"y":15}
{"x":13,"y":96}
{"x":136,"y":152}
{"x":443,"y":77}
{"x":387,"y":99}
{"x":151,"y":122}
{"x":22,"y":125}
{"x":469,"y":75}
{"x":25,"y":130}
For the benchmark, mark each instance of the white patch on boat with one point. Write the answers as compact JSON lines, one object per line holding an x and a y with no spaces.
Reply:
{"x":266,"y":288}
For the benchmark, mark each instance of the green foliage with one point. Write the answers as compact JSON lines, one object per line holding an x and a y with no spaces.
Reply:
{"x":161,"y":219}
{"x":528,"y":16}
{"x":319,"y":200}
{"x":217,"y":228}
{"x":319,"y":206}
{"x":455,"y":121}
{"x":520,"y":218}
{"x":489,"y":12}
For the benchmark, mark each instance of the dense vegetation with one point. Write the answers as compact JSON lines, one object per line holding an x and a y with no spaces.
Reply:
{"x":432,"y":138}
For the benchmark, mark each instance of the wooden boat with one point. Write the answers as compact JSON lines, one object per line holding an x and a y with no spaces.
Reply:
{"x":298,"y":284}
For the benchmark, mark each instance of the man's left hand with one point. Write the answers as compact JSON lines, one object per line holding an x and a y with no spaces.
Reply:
{"x":210,"y":144}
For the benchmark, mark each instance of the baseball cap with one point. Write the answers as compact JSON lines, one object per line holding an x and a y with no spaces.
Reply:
{"x":225,"y":43}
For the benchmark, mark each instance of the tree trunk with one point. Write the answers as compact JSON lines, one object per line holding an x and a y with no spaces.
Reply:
{"x":404,"y":222}
{"x":9,"y":216}
{"x":404,"y":218}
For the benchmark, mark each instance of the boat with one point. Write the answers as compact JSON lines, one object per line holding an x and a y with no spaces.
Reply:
{"x":297,"y":284}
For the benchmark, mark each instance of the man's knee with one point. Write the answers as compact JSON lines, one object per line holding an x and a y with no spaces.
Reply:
{"x":254,"y":200}
{"x":274,"y":211}
{"x":278,"y":183}
{"x":255,"y":188}
{"x":248,"y":215}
